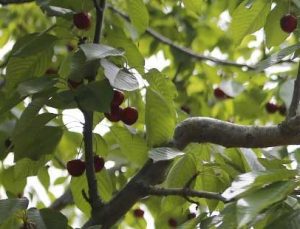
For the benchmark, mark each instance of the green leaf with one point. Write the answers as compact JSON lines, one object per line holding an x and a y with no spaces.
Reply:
{"x":95,"y":96}
{"x":251,"y":205}
{"x":44,"y":177}
{"x":47,"y":218}
{"x":133,"y":146}
{"x":164,"y":154}
{"x":274,"y":34}
{"x":11,"y":183}
{"x":194,"y":6}
{"x":290,"y":221}
{"x":62,"y":100}
{"x":159,"y":118}
{"x":247,"y":20}
{"x":277,"y":57}
{"x":138,"y":14}
{"x":8,"y":207}
{"x":33,"y":44}
{"x":99,"y":51}
{"x":179,"y":175}
{"x":34,"y":86}
{"x":255,"y":180}
{"x":118,"y":77}
{"x":37,"y":142}
{"x":26,"y":167}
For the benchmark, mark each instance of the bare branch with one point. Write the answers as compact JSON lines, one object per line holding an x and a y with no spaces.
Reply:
{"x":183,"y":192}
{"x":201,"y":130}
{"x":6,"y":2}
{"x":296,"y":97}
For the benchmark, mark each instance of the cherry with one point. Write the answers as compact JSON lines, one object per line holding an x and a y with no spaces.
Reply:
{"x":74,"y":84}
{"x":98,"y":163}
{"x":129,"y":115}
{"x":282,"y":109}
{"x":220,"y":94}
{"x":118,"y":98}
{"x":7,"y":143}
{"x":138,"y":213}
{"x":172,"y":222}
{"x":76,"y":167}
{"x":191,"y":215}
{"x":70,"y":47}
{"x":51,"y":71}
{"x":288,"y":23}
{"x":186,"y":109}
{"x":82,"y":20}
{"x":271,"y":107}
{"x":115,"y":114}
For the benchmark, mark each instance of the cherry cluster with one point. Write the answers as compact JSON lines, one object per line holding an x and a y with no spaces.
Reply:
{"x":128,"y":115}
{"x":220,"y":94}
{"x":271,"y":108}
{"x":76,"y":167}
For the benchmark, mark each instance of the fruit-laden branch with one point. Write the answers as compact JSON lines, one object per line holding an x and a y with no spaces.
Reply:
{"x":184,"y":192}
{"x":199,"y":130}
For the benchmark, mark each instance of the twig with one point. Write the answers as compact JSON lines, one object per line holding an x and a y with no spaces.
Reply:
{"x":6,"y":2}
{"x":62,"y":201}
{"x":182,"y":49}
{"x":296,"y":97}
{"x":183,"y":192}
{"x":99,"y":19}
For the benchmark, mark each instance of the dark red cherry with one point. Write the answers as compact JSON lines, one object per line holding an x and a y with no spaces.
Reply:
{"x":115,"y":114}
{"x":129,"y":115}
{"x":271,"y":107}
{"x":76,"y":167}
{"x":118,"y":98}
{"x":98,"y":163}
{"x":288,"y":23}
{"x":82,"y":20}
{"x":74,"y":84}
{"x":138,"y":213}
{"x":172,"y":222}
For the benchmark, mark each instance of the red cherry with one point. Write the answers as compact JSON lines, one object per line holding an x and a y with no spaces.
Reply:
{"x":74,"y":84}
{"x":51,"y":71}
{"x":186,"y":109}
{"x":70,"y":47}
{"x":129,"y":115}
{"x":220,"y":94}
{"x":115,"y":114}
{"x":76,"y":167}
{"x":191,"y":215}
{"x":82,"y":20}
{"x":282,"y":109}
{"x":271,"y":107}
{"x":98,"y":163}
{"x":118,"y":98}
{"x":288,"y":23}
{"x":138,"y":213}
{"x":172,"y":222}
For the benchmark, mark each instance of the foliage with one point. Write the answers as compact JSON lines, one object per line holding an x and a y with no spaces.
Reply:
{"x":259,"y":184}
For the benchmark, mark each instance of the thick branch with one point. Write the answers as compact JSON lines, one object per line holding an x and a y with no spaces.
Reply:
{"x":184,"y":192}
{"x":296,"y":97}
{"x":201,"y":130}
{"x":6,"y":2}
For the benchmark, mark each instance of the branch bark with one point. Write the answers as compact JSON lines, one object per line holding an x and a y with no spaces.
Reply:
{"x":184,"y":192}
{"x":6,"y":2}
{"x":296,"y":97}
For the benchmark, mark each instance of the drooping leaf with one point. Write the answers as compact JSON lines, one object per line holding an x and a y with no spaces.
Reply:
{"x":138,"y":14}
{"x":164,"y":154}
{"x":47,"y":218}
{"x":255,"y":180}
{"x":99,"y":51}
{"x":247,"y":20}
{"x":250,"y":205}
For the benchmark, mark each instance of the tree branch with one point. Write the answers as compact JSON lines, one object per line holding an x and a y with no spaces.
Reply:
{"x":201,"y":130}
{"x":6,"y":2}
{"x":182,"y":49}
{"x":62,"y":201}
{"x":296,"y":97}
{"x":183,"y":192}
